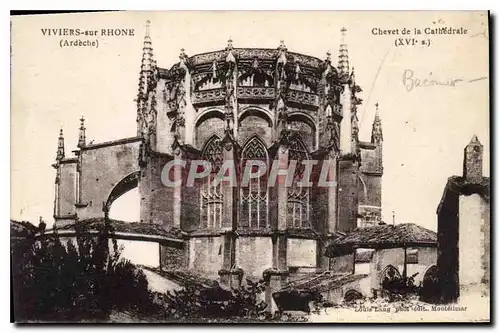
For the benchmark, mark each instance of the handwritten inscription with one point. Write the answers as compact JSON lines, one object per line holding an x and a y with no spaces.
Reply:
{"x":411,"y":81}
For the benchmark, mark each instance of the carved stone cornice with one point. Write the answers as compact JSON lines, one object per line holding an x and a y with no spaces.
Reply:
{"x":250,"y":53}
{"x":209,"y":96}
{"x":256,"y":93}
{"x":302,"y":97}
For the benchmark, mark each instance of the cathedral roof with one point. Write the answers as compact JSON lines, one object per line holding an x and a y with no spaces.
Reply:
{"x":204,"y":61}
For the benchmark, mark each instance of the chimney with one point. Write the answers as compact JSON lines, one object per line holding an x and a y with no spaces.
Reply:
{"x":473,"y":161}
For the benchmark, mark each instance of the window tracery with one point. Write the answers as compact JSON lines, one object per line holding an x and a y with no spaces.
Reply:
{"x":298,"y":195}
{"x":211,"y":200}
{"x":254,"y":197}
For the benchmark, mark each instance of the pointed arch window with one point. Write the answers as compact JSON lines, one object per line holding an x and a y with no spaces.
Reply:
{"x":254,"y":197}
{"x":298,"y":201}
{"x":211,"y":196}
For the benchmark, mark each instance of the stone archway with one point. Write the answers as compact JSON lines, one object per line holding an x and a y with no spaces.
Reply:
{"x":430,"y":275}
{"x":352,"y":296}
{"x":388,"y":274}
{"x":128,"y":183}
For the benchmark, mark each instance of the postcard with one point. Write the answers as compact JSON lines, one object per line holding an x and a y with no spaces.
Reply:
{"x":250,"y":167}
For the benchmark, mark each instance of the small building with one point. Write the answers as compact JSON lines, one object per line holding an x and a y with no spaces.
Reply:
{"x":360,"y":260}
{"x":464,"y":228}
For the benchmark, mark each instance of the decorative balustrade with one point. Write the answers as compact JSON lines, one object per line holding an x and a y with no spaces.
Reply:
{"x":256,"y":92}
{"x":302,"y":97}
{"x":208,"y":96}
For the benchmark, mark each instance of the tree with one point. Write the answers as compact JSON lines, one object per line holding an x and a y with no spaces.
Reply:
{"x":73,"y":280}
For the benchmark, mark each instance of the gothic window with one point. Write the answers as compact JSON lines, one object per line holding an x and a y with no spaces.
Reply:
{"x":298,"y":195}
{"x":254,"y":197}
{"x":211,"y":200}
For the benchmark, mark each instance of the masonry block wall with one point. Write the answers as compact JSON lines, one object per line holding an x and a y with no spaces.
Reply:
{"x":164,"y":135}
{"x":486,"y":230}
{"x":206,"y":255}
{"x":172,"y":258}
{"x":64,"y":209}
{"x":370,"y":184}
{"x":448,"y":238}
{"x":471,"y":269}
{"x":254,"y":255}
{"x":102,"y":167}
{"x":156,"y":198}
{"x":190,"y":209}
{"x":348,"y":194}
{"x":301,"y":252}
{"x":320,"y":199}
{"x":342,"y":264}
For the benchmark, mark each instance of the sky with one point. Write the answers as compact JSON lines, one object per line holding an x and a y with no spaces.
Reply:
{"x":425,"y":128}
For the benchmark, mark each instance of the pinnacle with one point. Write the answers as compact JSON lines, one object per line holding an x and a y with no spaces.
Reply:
{"x":377,"y":112}
{"x":474,"y":140}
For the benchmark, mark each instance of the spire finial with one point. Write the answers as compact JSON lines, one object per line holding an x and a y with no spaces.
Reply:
{"x":81,"y":136}
{"x":343,"y":33}
{"x":343,"y":64}
{"x":282,"y":53}
{"x":60,"y":146}
{"x":230,"y":43}
{"x":147,"y":37}
{"x":147,"y":62}
{"x":377,"y":126}
{"x":282,"y":45}
{"x":148,"y":28}
{"x":328,"y":55}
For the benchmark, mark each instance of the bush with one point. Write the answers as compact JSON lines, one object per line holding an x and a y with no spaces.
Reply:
{"x":194,"y":303}
{"x":215,"y":304}
{"x":397,"y":288}
{"x":75,"y":281}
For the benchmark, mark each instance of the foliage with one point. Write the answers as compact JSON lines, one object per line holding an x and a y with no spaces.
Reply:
{"x":216,"y":304}
{"x":66,"y":280}
{"x":397,"y":288}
